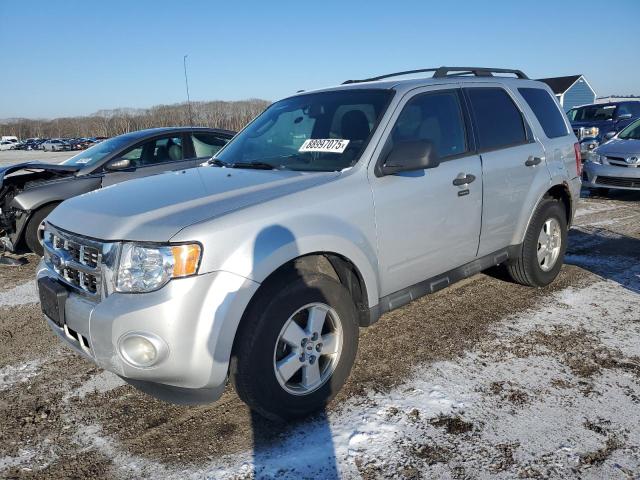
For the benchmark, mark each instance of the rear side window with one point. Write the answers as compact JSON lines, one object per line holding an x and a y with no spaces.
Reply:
{"x":546,"y":111}
{"x":207,"y":144}
{"x":498,"y":120}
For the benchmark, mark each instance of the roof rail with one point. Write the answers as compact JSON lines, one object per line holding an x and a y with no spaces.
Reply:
{"x":443,"y":72}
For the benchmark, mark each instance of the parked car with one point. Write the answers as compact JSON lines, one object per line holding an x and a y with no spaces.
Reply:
{"x":331,"y":208}
{"x":616,"y":164}
{"x":7,"y":145}
{"x":55,"y":145}
{"x":30,"y":191}
{"x":595,"y":124}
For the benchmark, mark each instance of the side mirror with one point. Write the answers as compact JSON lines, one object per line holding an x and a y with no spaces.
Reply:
{"x":624,"y":116}
{"x":609,"y":135}
{"x":118,"y":164}
{"x":410,"y":156}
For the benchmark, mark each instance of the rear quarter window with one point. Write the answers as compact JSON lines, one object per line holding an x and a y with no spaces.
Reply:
{"x":546,"y":111}
{"x":498,"y":121}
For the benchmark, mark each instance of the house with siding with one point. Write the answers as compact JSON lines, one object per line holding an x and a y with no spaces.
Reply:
{"x":571,"y":91}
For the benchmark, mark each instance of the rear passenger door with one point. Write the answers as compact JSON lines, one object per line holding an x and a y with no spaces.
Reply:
{"x":427,"y":224}
{"x":512,"y":164}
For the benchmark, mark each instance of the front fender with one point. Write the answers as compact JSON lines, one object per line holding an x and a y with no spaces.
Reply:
{"x":35,"y":197}
{"x":255,"y":251}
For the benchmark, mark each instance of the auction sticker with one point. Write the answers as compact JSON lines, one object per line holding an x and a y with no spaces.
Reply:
{"x":328,"y":145}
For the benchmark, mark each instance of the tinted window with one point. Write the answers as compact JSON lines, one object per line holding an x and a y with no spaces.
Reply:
{"x":162,"y":150}
{"x":207,"y":144}
{"x":435,"y":117}
{"x":498,"y":120}
{"x":546,"y":111}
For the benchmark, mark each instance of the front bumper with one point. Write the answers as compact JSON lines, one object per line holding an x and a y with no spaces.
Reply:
{"x":196,"y":317}
{"x":596,"y":175}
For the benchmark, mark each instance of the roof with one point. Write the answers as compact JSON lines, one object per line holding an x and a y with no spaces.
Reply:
{"x":560,"y":85}
{"x":155,"y":131}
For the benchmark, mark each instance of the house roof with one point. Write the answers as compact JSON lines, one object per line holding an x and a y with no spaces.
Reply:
{"x":560,"y":85}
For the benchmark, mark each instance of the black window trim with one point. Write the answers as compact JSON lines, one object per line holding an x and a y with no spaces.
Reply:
{"x":466,"y":124}
{"x":529,"y":138}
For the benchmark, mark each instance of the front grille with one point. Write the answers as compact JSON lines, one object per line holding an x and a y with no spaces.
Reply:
{"x":619,"y":182}
{"x":618,"y":162}
{"x":76,"y":260}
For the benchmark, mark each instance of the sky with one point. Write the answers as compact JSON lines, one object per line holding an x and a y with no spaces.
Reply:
{"x":64,"y":58}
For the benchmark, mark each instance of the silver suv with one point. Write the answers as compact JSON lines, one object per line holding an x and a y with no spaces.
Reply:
{"x":329,"y":209}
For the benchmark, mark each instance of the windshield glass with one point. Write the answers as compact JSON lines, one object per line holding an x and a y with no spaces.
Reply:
{"x":92,"y":156}
{"x":324,"y":131}
{"x":632,"y":132}
{"x":592,"y":113}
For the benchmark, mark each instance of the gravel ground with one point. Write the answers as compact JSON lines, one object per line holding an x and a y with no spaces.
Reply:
{"x":484,"y":379}
{"x":8,"y":157}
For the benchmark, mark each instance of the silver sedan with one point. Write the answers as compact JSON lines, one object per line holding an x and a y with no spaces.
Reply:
{"x":616,"y":164}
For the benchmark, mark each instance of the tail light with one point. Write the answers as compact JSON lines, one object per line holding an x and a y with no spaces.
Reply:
{"x":576,"y":149}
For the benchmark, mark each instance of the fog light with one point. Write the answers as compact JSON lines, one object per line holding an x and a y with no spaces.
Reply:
{"x":141,"y":350}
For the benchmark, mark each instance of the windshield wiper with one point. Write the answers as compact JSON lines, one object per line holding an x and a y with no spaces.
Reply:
{"x":255,"y":165}
{"x":216,"y":162}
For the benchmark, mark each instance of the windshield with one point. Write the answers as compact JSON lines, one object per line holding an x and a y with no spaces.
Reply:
{"x":92,"y":156}
{"x":632,"y":132}
{"x":324,"y":131}
{"x":592,"y":113}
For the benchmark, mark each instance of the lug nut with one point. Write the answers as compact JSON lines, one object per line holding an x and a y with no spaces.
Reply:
{"x":314,"y":337}
{"x":301,"y":358}
{"x":312,"y":359}
{"x":304,"y":341}
{"x":318,"y":347}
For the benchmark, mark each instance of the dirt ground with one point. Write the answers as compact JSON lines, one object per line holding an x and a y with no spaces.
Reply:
{"x":484,"y":379}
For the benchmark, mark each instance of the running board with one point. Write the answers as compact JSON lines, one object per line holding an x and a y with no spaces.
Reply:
{"x":434,"y":284}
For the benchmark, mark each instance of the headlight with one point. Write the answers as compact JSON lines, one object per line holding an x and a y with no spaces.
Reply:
{"x":145,"y":268}
{"x":599,"y":159}
{"x":590,"y":132}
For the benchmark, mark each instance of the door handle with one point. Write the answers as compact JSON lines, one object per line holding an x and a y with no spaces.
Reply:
{"x":459,"y":181}
{"x":533,"y":161}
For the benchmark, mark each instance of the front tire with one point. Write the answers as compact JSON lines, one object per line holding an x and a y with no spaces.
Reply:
{"x":544,"y":246}
{"x":33,"y":230}
{"x":296,"y":346}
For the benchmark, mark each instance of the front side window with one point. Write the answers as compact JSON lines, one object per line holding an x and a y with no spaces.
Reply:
{"x":341,"y":123}
{"x":498,"y":120}
{"x":207,"y":144}
{"x":631,"y":132}
{"x":433,"y":117}
{"x":154,"y":152}
{"x":546,"y":111}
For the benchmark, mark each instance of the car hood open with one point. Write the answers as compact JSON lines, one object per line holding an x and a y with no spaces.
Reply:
{"x":155,"y":208}
{"x":40,"y":166}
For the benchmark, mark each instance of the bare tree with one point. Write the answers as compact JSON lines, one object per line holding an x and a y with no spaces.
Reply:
{"x":108,"y":123}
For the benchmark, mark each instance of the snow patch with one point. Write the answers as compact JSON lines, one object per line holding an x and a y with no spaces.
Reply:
{"x":20,"y":295}
{"x":14,"y":374}
{"x":100,"y":383}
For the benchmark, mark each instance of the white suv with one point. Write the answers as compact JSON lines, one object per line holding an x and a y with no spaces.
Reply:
{"x":328,"y":210}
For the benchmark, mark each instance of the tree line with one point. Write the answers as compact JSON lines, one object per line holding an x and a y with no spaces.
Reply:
{"x":108,"y":123}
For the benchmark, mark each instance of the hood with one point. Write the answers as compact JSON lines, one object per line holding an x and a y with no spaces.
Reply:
{"x":155,"y":208}
{"x":623,"y":148}
{"x":47,"y":167}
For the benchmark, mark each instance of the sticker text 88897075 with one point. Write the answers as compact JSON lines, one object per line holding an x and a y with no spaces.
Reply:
{"x":328,"y":145}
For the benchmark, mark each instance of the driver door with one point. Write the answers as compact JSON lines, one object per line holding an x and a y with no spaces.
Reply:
{"x":426,"y":224}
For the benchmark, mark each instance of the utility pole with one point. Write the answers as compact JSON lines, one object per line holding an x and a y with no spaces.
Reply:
{"x":186,"y":82}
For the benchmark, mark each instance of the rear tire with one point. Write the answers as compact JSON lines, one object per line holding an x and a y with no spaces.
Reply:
{"x":33,"y":231}
{"x":544,"y":246}
{"x":278,"y":335}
